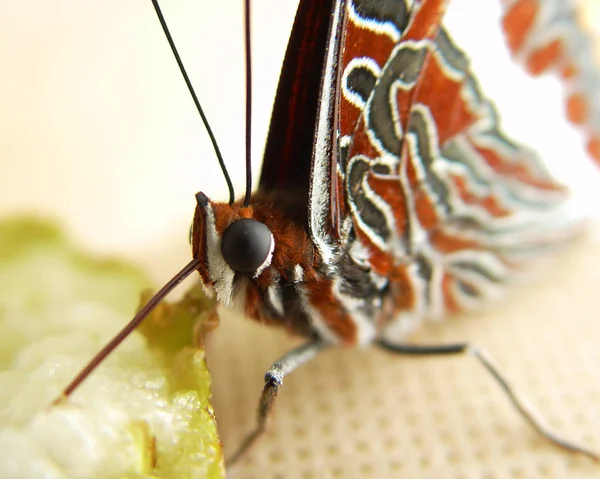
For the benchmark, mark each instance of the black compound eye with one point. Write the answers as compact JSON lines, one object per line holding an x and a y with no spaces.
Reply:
{"x":246,"y":245}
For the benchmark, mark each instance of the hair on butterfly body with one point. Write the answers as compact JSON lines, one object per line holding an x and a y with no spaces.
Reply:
{"x":388,"y":195}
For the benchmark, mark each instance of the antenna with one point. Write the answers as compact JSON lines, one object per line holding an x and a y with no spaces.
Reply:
{"x":128,"y":329}
{"x":163,"y":23}
{"x":248,"y":58}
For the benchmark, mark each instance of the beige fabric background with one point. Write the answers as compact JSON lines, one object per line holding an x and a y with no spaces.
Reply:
{"x":97,"y":131}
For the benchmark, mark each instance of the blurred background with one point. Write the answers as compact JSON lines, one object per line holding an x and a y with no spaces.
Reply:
{"x":97,"y":130}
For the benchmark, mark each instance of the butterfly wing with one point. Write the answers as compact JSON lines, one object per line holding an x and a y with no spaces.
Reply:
{"x":302,"y":151}
{"x":415,"y":201}
{"x":445,"y":205}
{"x":301,"y":101}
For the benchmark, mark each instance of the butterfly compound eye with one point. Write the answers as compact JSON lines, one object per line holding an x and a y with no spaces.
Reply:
{"x":246,"y":245}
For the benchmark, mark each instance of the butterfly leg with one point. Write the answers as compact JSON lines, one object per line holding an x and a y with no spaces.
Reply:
{"x":526,"y":410}
{"x":273,"y":381}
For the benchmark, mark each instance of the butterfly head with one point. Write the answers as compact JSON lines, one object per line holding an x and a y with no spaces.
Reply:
{"x":230,"y":244}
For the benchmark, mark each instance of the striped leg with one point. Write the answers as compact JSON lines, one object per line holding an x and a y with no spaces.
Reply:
{"x":273,"y":381}
{"x":523,"y":406}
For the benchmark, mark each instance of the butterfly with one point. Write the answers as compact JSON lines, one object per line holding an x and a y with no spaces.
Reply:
{"x":388,"y":194}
